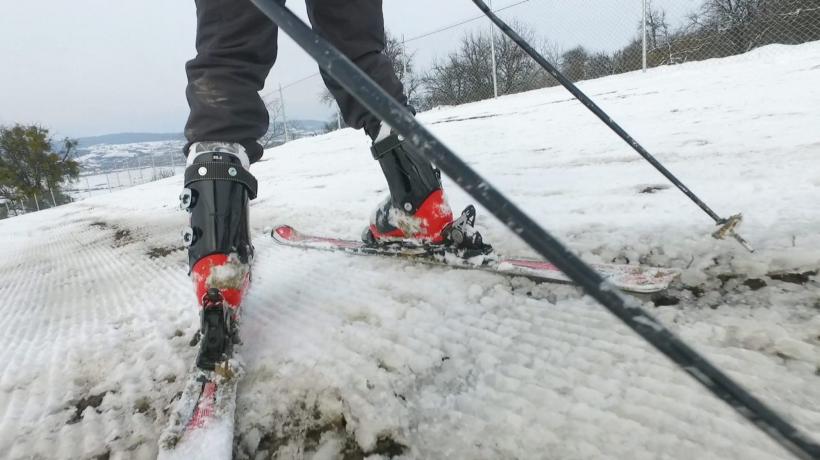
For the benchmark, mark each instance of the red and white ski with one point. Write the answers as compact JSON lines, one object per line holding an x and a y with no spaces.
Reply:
{"x":632,"y":278}
{"x":202,"y":421}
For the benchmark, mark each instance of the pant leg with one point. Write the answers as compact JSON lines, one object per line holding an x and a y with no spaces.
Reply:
{"x":236,"y":48}
{"x":356,"y":27}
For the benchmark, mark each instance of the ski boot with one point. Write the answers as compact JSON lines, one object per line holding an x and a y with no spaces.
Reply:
{"x":218,"y":188}
{"x":416,"y":212}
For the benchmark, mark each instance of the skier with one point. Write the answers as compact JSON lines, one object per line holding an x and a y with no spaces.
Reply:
{"x":236,"y":48}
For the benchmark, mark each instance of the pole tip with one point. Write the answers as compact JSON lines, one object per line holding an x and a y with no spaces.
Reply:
{"x":727,"y":228}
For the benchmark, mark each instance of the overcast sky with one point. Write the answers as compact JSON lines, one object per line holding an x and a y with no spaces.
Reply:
{"x":88,"y":67}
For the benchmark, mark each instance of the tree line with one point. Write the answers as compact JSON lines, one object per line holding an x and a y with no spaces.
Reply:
{"x":718,"y":28}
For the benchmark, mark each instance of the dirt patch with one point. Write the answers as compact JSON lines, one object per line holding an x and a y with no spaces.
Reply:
{"x":653,"y":189}
{"x":754,"y":283}
{"x":726,"y":277}
{"x":696,"y":291}
{"x":477,"y":117}
{"x":664,"y":300}
{"x":159,"y":252}
{"x":142,"y":406}
{"x":307,"y":428}
{"x":388,"y":447}
{"x":793,"y":278}
{"x":83,"y":404}
{"x":122,"y":237}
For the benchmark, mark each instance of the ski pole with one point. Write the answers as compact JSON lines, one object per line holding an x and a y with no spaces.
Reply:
{"x":727,"y":225}
{"x":378,"y":102}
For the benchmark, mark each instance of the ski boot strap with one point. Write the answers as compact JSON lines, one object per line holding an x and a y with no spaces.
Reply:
{"x":410,"y":177}
{"x":385,"y":146}
{"x":223,"y":171}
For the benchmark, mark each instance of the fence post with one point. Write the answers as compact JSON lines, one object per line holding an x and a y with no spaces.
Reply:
{"x":403,"y":63}
{"x":108,"y":181}
{"x":51,"y":190}
{"x":153,"y":167}
{"x":173,"y":163}
{"x":88,"y":186}
{"x":130,"y":181}
{"x":492,"y":53}
{"x":36,"y":201}
{"x":643,"y":33}
{"x":139,"y":166}
{"x":284,"y":115}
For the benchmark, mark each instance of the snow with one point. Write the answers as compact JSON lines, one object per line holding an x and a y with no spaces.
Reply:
{"x":380,"y":357}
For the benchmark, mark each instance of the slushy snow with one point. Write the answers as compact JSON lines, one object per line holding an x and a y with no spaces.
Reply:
{"x":348,"y":356}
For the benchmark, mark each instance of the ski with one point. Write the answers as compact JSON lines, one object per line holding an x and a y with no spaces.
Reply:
{"x":202,"y":422}
{"x":632,"y":278}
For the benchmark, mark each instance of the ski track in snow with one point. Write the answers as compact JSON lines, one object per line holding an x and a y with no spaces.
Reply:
{"x":376,"y":356}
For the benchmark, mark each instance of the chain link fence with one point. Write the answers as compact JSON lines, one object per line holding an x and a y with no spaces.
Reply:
{"x":114,"y":167}
{"x":467,"y":60}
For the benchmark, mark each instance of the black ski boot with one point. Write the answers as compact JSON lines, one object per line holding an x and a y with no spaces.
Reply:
{"x":218,"y":188}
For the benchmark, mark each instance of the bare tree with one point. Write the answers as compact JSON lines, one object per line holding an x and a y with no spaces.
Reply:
{"x":574,"y":63}
{"x":600,"y":65}
{"x":718,"y":28}
{"x":465,"y":75}
{"x":404,"y":67}
{"x":276,"y":127}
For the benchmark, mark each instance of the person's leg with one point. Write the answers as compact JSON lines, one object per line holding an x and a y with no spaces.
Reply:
{"x":236,"y":47}
{"x":356,"y":28}
{"x":416,"y":208}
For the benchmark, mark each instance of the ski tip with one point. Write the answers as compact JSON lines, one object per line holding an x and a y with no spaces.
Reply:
{"x":284,"y":232}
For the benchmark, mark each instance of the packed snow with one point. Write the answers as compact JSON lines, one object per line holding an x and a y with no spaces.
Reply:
{"x":351,"y":357}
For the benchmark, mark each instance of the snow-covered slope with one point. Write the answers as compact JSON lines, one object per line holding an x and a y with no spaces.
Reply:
{"x":349,"y":356}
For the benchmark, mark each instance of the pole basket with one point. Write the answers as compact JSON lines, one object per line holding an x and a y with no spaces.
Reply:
{"x":727,"y":228}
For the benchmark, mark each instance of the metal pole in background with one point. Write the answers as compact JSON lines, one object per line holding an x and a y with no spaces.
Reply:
{"x":130,"y":180}
{"x":284,"y":115}
{"x":153,"y":167}
{"x":338,"y":117}
{"x":139,"y":166}
{"x":36,"y":201}
{"x":8,"y":211}
{"x":492,"y":53}
{"x":88,"y":186}
{"x":51,"y":190}
{"x":108,"y":181}
{"x":173,"y":163}
{"x":403,"y":64}
{"x":643,"y":27}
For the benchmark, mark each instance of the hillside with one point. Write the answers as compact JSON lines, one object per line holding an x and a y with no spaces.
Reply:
{"x":365,"y":355}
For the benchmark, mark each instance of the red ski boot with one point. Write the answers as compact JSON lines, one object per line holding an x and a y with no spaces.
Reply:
{"x":416,"y":212}
{"x":217,"y":190}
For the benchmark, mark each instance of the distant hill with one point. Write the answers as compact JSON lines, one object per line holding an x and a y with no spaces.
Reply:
{"x":128,"y":138}
{"x":133,"y":138}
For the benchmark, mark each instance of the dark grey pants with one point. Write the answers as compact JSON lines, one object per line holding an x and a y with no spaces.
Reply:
{"x":236,"y":48}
